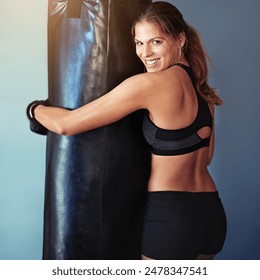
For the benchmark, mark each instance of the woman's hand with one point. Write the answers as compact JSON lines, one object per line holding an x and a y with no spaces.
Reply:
{"x":35,"y":126}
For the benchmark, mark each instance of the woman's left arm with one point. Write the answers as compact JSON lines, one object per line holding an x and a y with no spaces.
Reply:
{"x":212,"y":137}
{"x":129,"y":96}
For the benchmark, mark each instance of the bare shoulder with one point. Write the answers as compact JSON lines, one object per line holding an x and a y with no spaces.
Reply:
{"x":153,"y":87}
{"x":182,"y":88}
{"x":180,"y":77}
{"x":157,"y":81}
{"x":142,"y":82}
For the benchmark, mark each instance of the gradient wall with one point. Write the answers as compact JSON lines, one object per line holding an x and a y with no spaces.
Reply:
{"x":230,"y":32}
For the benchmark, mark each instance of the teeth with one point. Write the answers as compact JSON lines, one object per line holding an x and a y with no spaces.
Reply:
{"x":151,"y":62}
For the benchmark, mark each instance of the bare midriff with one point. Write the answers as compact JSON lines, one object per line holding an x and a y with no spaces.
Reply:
{"x":186,"y":172}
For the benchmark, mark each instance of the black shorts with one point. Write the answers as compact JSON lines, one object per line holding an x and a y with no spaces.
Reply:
{"x":182,"y":225}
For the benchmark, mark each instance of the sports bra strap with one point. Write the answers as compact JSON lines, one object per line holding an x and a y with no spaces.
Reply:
{"x":184,"y":140}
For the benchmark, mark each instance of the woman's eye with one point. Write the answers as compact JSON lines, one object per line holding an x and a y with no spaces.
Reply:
{"x":156,"y":42}
{"x":138,"y":43}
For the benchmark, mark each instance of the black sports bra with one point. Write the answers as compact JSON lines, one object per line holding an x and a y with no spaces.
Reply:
{"x":179,"y":141}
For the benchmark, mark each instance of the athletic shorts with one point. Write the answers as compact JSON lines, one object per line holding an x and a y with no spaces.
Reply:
{"x":182,"y":225}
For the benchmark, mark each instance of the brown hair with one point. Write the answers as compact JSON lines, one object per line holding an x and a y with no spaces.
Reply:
{"x":169,"y":19}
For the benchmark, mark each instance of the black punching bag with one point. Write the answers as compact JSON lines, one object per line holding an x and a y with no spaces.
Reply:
{"x":95,"y":181}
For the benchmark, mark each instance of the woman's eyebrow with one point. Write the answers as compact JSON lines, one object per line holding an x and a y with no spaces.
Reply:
{"x":155,"y":38}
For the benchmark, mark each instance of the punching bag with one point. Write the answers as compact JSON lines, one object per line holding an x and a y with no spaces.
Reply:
{"x":95,"y":181}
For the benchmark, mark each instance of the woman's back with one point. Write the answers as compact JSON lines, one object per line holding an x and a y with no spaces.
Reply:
{"x":173,"y":109}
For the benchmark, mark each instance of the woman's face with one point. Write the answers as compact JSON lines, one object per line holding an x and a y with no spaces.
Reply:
{"x":157,"y":50}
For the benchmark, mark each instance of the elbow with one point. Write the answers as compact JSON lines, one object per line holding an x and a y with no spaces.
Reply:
{"x":64,"y":125}
{"x":62,"y":128}
{"x":63,"y":132}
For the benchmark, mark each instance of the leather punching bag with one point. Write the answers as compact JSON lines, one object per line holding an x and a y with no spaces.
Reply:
{"x":95,"y":181}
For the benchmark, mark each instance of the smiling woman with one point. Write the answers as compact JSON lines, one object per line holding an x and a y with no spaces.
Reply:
{"x":156,"y":49}
{"x":184,"y":216}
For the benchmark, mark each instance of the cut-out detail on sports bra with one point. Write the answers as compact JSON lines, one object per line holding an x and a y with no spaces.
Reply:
{"x":179,"y":141}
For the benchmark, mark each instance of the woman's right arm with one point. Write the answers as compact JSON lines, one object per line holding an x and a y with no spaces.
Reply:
{"x":131,"y":95}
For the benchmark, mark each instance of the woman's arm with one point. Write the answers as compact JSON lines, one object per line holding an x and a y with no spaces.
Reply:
{"x":129,"y":96}
{"x":212,"y":137}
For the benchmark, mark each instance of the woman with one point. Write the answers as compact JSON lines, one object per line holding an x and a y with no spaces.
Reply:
{"x":184,"y":216}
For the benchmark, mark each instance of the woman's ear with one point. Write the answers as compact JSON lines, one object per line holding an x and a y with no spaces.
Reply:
{"x":182,"y":39}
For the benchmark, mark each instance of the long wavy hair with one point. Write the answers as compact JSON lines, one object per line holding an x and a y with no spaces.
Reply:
{"x":170,"y":21}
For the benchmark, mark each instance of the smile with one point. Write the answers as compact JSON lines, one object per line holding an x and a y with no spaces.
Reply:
{"x":151,"y":62}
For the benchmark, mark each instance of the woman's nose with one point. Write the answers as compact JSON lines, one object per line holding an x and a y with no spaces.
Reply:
{"x":147,"y":51}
